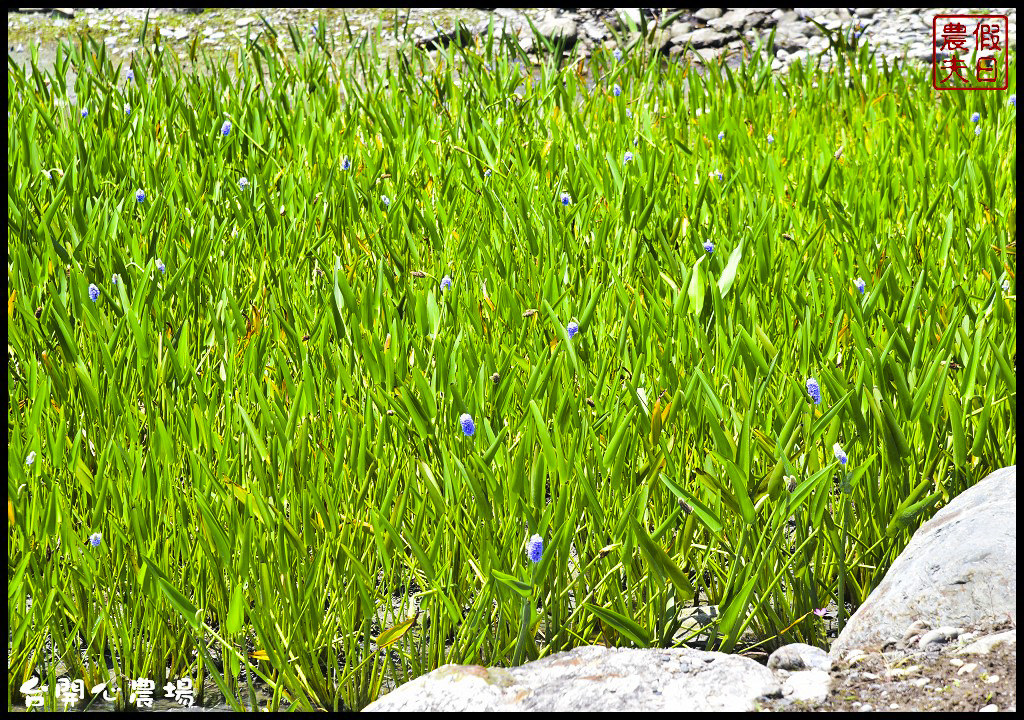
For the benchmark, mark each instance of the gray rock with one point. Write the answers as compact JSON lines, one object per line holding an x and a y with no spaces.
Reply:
{"x":917,"y":628}
{"x":554,"y":27}
{"x":799,"y":656}
{"x":661,"y":40}
{"x":732,"y":20}
{"x":790,"y":36}
{"x":461,"y":36}
{"x":594,"y":31}
{"x":985,"y":645}
{"x":708,"y":38}
{"x":939,"y":636}
{"x":740,"y":19}
{"x":810,"y":686}
{"x":959,"y":569}
{"x":681,"y":28}
{"x":625,"y":16}
{"x":592,"y":679}
{"x":706,"y":14}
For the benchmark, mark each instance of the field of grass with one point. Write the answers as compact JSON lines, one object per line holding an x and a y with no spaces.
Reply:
{"x":245,"y":459}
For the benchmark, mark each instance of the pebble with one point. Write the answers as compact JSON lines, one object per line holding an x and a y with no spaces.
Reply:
{"x":968,"y":668}
{"x":990,"y":708}
{"x":939,"y":636}
{"x":902,"y":672}
{"x":985,"y":645}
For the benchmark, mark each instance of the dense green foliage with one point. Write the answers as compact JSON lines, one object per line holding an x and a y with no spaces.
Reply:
{"x":266,"y":432}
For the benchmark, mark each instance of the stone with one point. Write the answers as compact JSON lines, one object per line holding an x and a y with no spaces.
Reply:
{"x":707,"y":14}
{"x":799,"y":656}
{"x":732,"y":20}
{"x":740,"y":19}
{"x":810,"y":686}
{"x":461,"y":36}
{"x":661,"y":40}
{"x":939,"y":636}
{"x":960,"y":569}
{"x":554,"y":27}
{"x":594,"y":31}
{"x":916,"y":629}
{"x":985,"y":645}
{"x":625,"y":16}
{"x":593,"y":679}
{"x":707,"y":38}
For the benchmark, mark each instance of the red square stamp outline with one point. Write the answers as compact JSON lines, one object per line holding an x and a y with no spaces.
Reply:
{"x":1005,"y":50}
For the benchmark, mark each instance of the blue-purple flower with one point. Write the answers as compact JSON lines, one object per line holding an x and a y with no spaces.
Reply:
{"x":131,"y":75}
{"x":85,"y":112}
{"x":814,"y":390}
{"x":127,"y":109}
{"x":977,"y":130}
{"x":860,"y":284}
{"x":95,"y":539}
{"x":709,"y":247}
{"x":572,"y":328}
{"x":139,"y":195}
{"x":1013,"y":100}
{"x":487,"y":173}
{"x":975,"y":117}
{"x":225,"y":129}
{"x":346,"y":164}
{"x":770,"y":139}
{"x":446,"y":282}
{"x":566,"y":198}
{"x":629,"y":113}
{"x":30,"y":458}
{"x":386,"y":200}
{"x":616,"y":90}
{"x":160,"y":265}
{"x":535,"y":548}
{"x":94,"y":293}
{"x":721,"y":135}
{"x":466,"y":421}
{"x":627,"y":158}
{"x":617,"y":54}
{"x":243,"y":183}
{"x":840,"y":454}
{"x":114,"y":278}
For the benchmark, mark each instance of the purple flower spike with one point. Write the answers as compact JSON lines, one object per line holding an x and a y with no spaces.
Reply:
{"x":535,"y":548}
{"x":814,"y":390}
